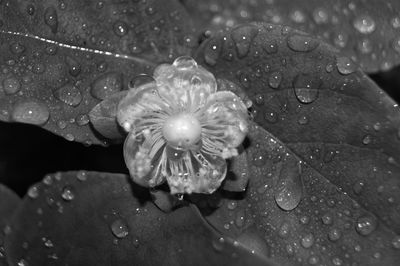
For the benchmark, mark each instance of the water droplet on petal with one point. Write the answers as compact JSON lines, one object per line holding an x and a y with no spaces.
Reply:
{"x":364,"y":24}
{"x":11,"y":85}
{"x":345,"y":65}
{"x":33,"y":192}
{"x":51,"y":19}
{"x":365,"y":46}
{"x":367,"y":139}
{"x":211,"y":53}
{"x":185,"y":62}
{"x":218,"y":244}
{"x":69,"y":94}
{"x":30,"y":112}
{"x":119,"y":228}
{"x":334,"y":234}
{"x":320,"y":16}
{"x":289,"y":188}
{"x":366,"y":225}
{"x":106,"y":85}
{"x":73,"y":65}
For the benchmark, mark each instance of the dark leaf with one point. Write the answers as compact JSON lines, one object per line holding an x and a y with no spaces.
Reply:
{"x":367,"y":31}
{"x":89,"y":218}
{"x":59,"y":61}
{"x":339,"y":134}
{"x":9,"y":201}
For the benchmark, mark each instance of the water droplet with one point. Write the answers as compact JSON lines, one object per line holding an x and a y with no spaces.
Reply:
{"x":284,"y":230}
{"x":17,"y":48}
{"x":22,"y":262}
{"x":337,"y":261}
{"x":120,"y":28}
{"x":366,"y":225}
{"x":218,"y":244}
{"x":358,"y":187}
{"x":367,"y":139}
{"x":243,"y":37}
{"x":327,"y":219}
{"x":300,"y":43}
{"x":303,"y":120}
{"x":106,"y":85}
{"x":30,"y":9}
{"x":211,"y":53}
{"x":364,"y":24}
{"x":73,"y":65}
{"x":51,"y":19}
{"x":271,"y":117}
{"x":275,"y":79}
{"x":289,"y":188}
{"x":119,"y":228}
{"x":48,"y":243}
{"x":33,"y":192}
{"x":341,"y":39}
{"x":67,"y":193}
{"x":365,"y":46}
{"x":11,"y":85}
{"x":396,"y":242}
{"x":259,"y":158}
{"x":320,"y":16}
{"x":270,"y":46}
{"x":232,"y":205}
{"x":306,"y":88}
{"x":334,"y":234}
{"x":30,"y":112}
{"x":184,"y":62}
{"x":82,"y":119}
{"x":69,"y":94}
{"x":307,"y":241}
{"x":345,"y":65}
{"x":81,"y":176}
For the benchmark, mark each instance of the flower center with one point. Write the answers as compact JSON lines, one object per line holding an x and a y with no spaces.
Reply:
{"x":182,"y":131}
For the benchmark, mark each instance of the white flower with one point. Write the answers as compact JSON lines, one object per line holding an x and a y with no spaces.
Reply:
{"x":181,"y":129}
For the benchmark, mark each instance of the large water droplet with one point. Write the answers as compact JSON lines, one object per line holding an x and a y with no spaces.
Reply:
{"x":288,"y":190}
{"x":301,"y":43}
{"x":366,"y":225}
{"x":30,"y":112}
{"x":119,"y":228}
{"x":11,"y":85}
{"x":51,"y":19}
{"x":185,"y":62}
{"x":345,"y":65}
{"x":364,"y":24}
{"x":106,"y":85}
{"x":69,"y":94}
{"x":306,"y":88}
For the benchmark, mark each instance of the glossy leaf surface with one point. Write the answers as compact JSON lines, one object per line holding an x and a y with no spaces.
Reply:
{"x":91,"y":218}
{"x":367,"y":31}
{"x":58,"y":60}
{"x":328,"y":115}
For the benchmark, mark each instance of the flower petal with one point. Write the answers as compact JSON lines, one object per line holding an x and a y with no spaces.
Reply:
{"x":225,"y":123}
{"x":142,"y":157}
{"x":196,"y":173}
{"x":142,"y":106}
{"x":184,"y":83}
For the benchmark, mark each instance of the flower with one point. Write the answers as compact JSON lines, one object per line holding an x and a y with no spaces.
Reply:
{"x":181,"y":129}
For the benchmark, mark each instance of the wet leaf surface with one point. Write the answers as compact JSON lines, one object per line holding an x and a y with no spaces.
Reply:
{"x":334,"y":156}
{"x":59,"y":60}
{"x":103,"y":219}
{"x":9,"y":201}
{"x":367,"y":31}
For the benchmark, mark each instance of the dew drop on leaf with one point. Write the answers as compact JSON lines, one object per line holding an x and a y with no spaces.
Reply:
{"x":307,"y":240}
{"x":364,"y":24}
{"x":106,"y":85}
{"x":306,"y":89}
{"x":300,"y":43}
{"x":51,"y":18}
{"x":69,"y":94}
{"x":67,"y":193}
{"x":334,"y":234}
{"x":11,"y":85}
{"x":30,"y":112}
{"x":365,"y":225}
{"x":33,"y":192}
{"x":288,"y":190}
{"x":345,"y":65}
{"x":274,"y":80}
{"x":119,"y":228}
{"x":120,"y":28}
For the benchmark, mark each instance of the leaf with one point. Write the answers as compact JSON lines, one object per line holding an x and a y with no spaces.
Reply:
{"x":59,"y":61}
{"x":319,"y":108}
{"x":89,"y":218}
{"x":368,"y":32}
{"x":9,"y":201}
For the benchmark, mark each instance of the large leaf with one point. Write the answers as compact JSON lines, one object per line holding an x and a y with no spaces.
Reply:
{"x":9,"y":201}
{"x":367,"y":31}
{"x":59,"y":60}
{"x":89,"y":218}
{"x":327,"y":114}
